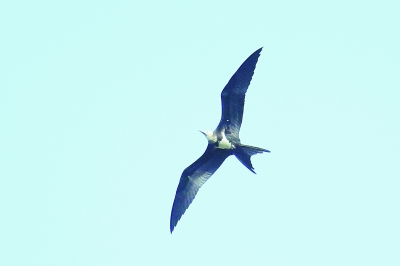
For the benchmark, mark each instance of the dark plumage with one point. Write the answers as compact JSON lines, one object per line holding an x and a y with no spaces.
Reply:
{"x":222,"y":142}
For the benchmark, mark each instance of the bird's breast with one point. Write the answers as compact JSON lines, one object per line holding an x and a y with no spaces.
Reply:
{"x":224,"y":143}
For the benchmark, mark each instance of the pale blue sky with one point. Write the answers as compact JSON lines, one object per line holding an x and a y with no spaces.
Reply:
{"x":99,"y":109}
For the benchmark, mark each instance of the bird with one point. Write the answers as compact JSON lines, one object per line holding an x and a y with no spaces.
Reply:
{"x":222,"y":142}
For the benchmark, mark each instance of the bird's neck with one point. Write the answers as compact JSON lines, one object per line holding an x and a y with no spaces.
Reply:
{"x":211,"y":137}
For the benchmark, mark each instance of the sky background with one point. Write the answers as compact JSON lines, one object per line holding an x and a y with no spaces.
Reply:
{"x":100,"y":103}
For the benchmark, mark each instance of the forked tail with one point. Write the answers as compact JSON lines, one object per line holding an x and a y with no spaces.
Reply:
{"x":244,"y":152}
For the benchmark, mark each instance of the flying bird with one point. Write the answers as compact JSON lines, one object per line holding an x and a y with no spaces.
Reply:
{"x":222,"y":142}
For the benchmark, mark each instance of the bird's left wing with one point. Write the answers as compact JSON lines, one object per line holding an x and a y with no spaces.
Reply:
{"x":193,"y":178}
{"x":232,"y":97}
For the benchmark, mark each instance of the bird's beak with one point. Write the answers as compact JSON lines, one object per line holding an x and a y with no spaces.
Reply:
{"x":203,"y":132}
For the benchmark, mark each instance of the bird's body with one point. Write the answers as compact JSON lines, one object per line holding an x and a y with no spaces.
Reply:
{"x":222,"y":142}
{"x":218,"y":139}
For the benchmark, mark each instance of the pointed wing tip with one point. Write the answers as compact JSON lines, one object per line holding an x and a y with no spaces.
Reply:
{"x":175,"y":217}
{"x":258,"y":51}
{"x":172,"y":225}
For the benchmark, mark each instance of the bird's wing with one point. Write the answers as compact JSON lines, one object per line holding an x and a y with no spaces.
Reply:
{"x":193,"y":178}
{"x":232,"y":97}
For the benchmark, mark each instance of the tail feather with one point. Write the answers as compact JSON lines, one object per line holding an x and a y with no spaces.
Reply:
{"x":244,"y":152}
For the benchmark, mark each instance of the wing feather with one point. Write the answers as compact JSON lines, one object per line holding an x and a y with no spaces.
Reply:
{"x":193,"y":177}
{"x":233,"y":95}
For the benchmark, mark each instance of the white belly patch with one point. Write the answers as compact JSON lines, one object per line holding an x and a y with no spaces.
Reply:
{"x":224,"y":143}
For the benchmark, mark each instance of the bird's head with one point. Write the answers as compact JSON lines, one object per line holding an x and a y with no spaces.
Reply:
{"x":209,"y":135}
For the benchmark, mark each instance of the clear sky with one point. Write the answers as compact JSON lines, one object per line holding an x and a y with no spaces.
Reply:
{"x":100,"y":104}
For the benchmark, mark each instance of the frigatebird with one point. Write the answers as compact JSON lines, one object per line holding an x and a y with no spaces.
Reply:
{"x":222,"y":142}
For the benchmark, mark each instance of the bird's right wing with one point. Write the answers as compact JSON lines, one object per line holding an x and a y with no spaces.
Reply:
{"x":193,"y":178}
